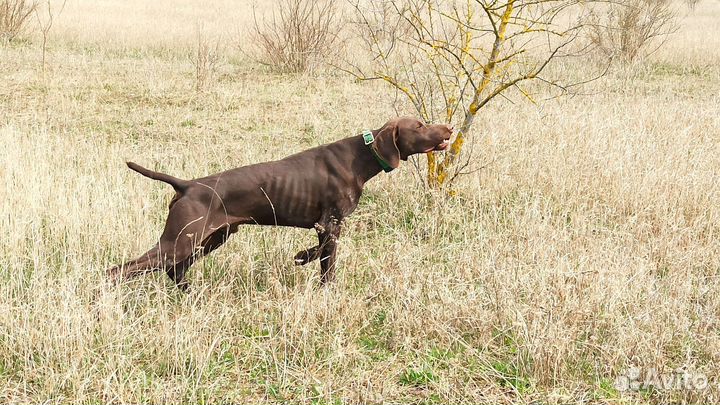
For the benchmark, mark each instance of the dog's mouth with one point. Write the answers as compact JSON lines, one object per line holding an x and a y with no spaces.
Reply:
{"x":439,"y":147}
{"x":442,"y":146}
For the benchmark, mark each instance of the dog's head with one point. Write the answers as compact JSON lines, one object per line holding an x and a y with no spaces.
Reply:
{"x":402,"y":137}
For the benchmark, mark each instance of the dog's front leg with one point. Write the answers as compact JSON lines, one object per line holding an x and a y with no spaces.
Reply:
{"x":328,"y":234}
{"x":308,"y":255}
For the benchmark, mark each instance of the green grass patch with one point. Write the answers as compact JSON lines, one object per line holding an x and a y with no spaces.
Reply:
{"x":418,"y":377}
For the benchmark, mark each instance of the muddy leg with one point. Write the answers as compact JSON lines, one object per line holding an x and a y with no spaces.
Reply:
{"x":328,"y":234}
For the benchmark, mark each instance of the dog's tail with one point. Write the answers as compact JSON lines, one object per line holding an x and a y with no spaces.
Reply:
{"x":178,"y":184}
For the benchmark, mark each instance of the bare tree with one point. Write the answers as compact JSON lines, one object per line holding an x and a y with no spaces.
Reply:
{"x":46,"y":23}
{"x":14,"y":15}
{"x":451,"y":58}
{"x":296,"y":35}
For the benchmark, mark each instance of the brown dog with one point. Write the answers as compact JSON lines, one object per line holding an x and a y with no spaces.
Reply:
{"x":316,"y":188}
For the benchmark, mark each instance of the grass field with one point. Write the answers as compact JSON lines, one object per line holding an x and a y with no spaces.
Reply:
{"x":587,"y":245}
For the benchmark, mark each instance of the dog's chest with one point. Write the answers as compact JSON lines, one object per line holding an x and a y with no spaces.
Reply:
{"x":347,"y":200}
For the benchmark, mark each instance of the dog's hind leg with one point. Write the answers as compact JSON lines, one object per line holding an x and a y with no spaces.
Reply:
{"x":175,"y":252}
{"x":176,"y":272}
{"x":147,"y":262}
{"x":210,"y":242}
{"x":174,"y":257}
{"x":191,"y":231}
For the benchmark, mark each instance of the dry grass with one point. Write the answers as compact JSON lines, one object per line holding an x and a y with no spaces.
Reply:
{"x":589,"y":244}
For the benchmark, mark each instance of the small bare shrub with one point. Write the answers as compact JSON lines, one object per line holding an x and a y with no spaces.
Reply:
{"x":206,"y":58}
{"x":46,"y":15}
{"x":691,"y":4}
{"x":633,"y":28}
{"x":14,"y":15}
{"x":298,"y":34}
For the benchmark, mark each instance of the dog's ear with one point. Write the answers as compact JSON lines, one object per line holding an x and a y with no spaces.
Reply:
{"x":386,"y":144}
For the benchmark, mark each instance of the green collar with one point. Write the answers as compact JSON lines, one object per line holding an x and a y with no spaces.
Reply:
{"x":369,"y":139}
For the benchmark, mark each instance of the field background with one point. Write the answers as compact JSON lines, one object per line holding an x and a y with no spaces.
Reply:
{"x":586,"y":245}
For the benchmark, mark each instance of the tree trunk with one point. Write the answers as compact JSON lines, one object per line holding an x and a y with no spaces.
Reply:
{"x":438,"y":171}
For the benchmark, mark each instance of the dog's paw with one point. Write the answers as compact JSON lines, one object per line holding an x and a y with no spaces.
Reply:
{"x":304,"y":257}
{"x":113,"y":274}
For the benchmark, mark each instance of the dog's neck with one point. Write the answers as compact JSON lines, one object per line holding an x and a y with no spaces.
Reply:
{"x":364,"y":165}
